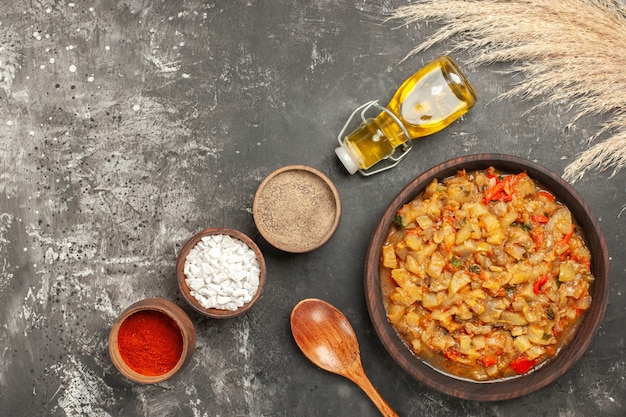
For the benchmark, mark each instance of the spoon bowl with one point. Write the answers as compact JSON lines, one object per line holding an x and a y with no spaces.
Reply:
{"x":327,"y":339}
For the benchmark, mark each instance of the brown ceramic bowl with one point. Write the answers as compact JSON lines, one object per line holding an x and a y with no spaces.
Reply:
{"x":296,"y":209}
{"x":501,"y":389}
{"x":181,"y":320}
{"x":217,"y":313}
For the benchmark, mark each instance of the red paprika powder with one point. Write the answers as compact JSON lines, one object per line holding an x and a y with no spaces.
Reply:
{"x":150,"y":342}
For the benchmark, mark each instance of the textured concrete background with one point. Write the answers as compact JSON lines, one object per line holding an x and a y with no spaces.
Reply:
{"x":127,"y":126}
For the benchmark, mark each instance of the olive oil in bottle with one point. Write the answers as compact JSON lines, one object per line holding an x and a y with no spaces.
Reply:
{"x":425,"y":103}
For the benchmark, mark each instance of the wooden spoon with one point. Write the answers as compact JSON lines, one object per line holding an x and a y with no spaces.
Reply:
{"x":326,"y":337}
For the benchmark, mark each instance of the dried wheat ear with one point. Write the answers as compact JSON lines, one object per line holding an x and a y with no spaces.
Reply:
{"x":569,"y":51}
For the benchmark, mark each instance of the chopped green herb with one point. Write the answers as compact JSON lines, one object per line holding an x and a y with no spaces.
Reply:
{"x":398,"y":222}
{"x":545,"y":336}
{"x":456,"y":262}
{"x":550,"y":313}
{"x":475,"y":269}
{"x":524,"y":226}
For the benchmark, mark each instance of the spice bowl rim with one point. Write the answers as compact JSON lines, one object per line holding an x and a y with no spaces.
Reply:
{"x":173,"y":311}
{"x":184,"y":289}
{"x":269,"y":237}
{"x":506,"y":388}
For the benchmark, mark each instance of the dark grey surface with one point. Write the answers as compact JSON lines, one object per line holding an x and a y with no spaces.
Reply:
{"x":129,"y":126}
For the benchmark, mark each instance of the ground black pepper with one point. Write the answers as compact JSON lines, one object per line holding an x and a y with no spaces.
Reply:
{"x":295,"y":210}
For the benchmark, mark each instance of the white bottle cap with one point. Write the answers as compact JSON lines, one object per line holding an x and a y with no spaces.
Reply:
{"x":347,"y":159}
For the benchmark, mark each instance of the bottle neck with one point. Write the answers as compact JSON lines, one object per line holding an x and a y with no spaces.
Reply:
{"x":390,"y":129}
{"x":374,"y":140}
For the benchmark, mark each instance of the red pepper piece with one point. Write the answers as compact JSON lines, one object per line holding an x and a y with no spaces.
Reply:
{"x":504,"y":189}
{"x":539,"y":218}
{"x":522,"y":364}
{"x":494,"y":191}
{"x":547,"y":195}
{"x":540,"y":283}
{"x":488,"y":361}
{"x":567,"y":236}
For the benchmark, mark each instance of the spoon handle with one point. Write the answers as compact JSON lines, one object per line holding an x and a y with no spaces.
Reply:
{"x":366,"y":385}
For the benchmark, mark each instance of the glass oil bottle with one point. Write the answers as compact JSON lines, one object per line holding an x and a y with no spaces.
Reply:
{"x":428,"y":101}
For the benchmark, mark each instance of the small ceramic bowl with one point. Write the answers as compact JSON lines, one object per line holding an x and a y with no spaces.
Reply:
{"x":296,"y":209}
{"x":501,"y":389}
{"x":179,"y":318}
{"x":218,"y":313}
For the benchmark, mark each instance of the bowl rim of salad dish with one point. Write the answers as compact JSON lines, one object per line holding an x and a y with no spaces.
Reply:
{"x":550,"y":370}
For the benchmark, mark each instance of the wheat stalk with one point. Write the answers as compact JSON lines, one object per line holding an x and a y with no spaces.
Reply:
{"x":571,"y":51}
